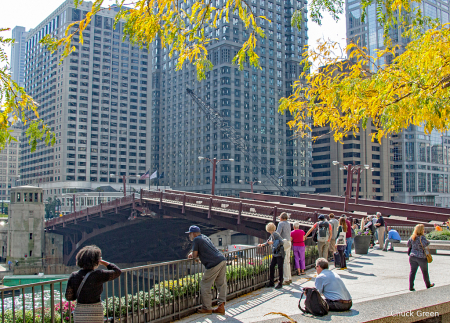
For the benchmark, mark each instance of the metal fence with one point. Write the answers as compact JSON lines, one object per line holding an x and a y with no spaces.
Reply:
{"x":158,"y":292}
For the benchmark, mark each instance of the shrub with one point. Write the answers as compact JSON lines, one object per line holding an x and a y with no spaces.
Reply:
{"x":439,"y":235}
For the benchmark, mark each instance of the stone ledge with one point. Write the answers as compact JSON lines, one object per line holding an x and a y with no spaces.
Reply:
{"x":409,"y":307}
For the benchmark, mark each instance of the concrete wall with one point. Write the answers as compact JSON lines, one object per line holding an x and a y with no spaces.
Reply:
{"x":229,"y":237}
{"x":53,"y":251}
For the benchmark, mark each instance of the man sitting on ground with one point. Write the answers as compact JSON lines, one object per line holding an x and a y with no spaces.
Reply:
{"x":393,"y":236}
{"x":332,"y":287}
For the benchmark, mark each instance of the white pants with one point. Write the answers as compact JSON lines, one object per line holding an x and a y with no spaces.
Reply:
{"x":287,"y":263}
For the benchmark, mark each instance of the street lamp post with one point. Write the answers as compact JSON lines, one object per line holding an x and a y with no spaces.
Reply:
{"x":350,"y":171}
{"x":250,"y":182}
{"x":214,"y":161}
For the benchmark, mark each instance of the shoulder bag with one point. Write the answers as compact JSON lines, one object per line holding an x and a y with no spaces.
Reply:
{"x":427,"y":251}
{"x":82,"y":283}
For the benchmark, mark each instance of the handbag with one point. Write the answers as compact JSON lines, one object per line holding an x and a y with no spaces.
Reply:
{"x":340,"y":241}
{"x":427,"y":252}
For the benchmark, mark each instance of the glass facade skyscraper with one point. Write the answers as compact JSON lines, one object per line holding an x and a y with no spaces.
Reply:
{"x":246,"y":100}
{"x":419,"y":162}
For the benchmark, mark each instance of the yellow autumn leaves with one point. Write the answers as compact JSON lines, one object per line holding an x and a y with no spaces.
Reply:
{"x":346,"y":93}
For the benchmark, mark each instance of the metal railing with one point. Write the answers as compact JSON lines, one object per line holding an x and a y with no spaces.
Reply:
{"x":164,"y":291}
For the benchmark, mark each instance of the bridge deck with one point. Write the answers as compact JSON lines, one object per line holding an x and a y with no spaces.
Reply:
{"x":378,"y":283}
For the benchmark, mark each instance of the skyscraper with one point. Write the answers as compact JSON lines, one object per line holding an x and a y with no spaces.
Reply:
{"x":96,"y":101}
{"x":419,"y":162}
{"x":246,"y":101}
{"x":18,"y":55}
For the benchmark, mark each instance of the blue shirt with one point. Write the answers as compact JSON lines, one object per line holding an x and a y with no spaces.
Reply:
{"x":208,"y":254}
{"x":393,"y":234}
{"x":331,"y":286}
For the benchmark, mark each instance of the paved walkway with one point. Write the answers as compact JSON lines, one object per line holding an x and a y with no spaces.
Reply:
{"x":369,"y":277}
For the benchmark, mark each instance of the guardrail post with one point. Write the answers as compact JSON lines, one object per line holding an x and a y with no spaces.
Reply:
{"x":209,"y":208}
{"x":239,"y":214}
{"x":275,"y":210}
{"x":101,"y":210}
{"x":183,"y":209}
{"x":160,"y":200}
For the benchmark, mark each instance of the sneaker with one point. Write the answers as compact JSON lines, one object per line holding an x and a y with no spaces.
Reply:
{"x":391,"y":249}
{"x":220,"y":309}
{"x":270,"y":285}
{"x":432,"y":285}
{"x":412,"y":290}
{"x":384,"y":250}
{"x":287,"y":282}
{"x":342,"y":268}
{"x":279,"y":286}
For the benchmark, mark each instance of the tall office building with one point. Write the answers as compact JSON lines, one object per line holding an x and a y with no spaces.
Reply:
{"x":18,"y":55}
{"x":246,"y":101}
{"x":9,"y":164}
{"x":96,"y":101}
{"x":418,"y":162}
{"x":355,"y":150}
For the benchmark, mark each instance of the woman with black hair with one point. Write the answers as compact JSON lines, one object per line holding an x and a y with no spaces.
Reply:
{"x":86,"y":285}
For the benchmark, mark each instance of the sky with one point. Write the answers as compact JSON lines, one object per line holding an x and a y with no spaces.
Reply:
{"x":29,"y":13}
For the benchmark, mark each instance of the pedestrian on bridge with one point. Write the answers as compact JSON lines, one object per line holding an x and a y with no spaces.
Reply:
{"x":334,"y":224}
{"x":278,"y":254}
{"x":216,"y":270}
{"x":298,"y":245}
{"x":284,"y":229}
{"x":324,"y":234}
{"x":380,"y":229}
{"x":418,"y":256}
{"x":86,"y":285}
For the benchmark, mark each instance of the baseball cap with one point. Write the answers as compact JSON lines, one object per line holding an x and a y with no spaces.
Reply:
{"x":321,"y":217}
{"x":193,"y":228}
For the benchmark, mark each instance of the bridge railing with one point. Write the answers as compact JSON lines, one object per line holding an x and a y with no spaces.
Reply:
{"x":168,"y":290}
{"x":233,"y":205}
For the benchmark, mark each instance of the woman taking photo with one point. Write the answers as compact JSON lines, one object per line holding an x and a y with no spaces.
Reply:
{"x":86,"y":285}
{"x":278,"y":255}
{"x":417,"y":256}
{"x":298,"y":246}
{"x":339,"y":246}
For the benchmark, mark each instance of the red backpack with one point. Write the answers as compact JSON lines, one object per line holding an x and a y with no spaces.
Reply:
{"x":314,"y":303}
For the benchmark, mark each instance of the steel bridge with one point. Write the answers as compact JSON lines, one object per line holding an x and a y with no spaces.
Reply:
{"x":247,"y":214}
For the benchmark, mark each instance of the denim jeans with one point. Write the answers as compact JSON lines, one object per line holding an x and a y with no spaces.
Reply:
{"x":348,"y":250}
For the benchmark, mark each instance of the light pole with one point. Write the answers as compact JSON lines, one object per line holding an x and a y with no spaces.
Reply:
{"x":124,"y":180}
{"x":214,"y":161}
{"x":250,"y":182}
{"x":350,"y":171}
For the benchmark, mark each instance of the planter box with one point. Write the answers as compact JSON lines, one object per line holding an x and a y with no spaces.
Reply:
{"x":362,"y":244}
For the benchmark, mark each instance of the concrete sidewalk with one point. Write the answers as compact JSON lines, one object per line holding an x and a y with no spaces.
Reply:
{"x":369,"y":277}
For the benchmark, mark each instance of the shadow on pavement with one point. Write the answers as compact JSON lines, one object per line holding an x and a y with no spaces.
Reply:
{"x":330,"y":316}
{"x":359,"y":273}
{"x":361,"y":262}
{"x":347,"y":276}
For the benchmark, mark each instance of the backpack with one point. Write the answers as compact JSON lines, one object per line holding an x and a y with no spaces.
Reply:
{"x":314,"y":303}
{"x":323,"y":232}
{"x":314,"y":236}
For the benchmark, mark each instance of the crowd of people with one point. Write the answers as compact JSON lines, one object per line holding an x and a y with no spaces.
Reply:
{"x":334,"y":238}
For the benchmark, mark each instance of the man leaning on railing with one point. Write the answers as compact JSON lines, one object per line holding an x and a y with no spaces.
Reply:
{"x":216,"y":270}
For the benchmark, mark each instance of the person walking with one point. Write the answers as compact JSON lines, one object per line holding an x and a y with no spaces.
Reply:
{"x":284,"y":229}
{"x":417,"y":256}
{"x":298,"y":246}
{"x":278,"y":254}
{"x":325,"y":231}
{"x":340,"y":247}
{"x":393,"y":237}
{"x":374,"y":220}
{"x":334,"y":224}
{"x":216,"y":270}
{"x":86,"y":285}
{"x":380,"y":229}
{"x":9,"y":264}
